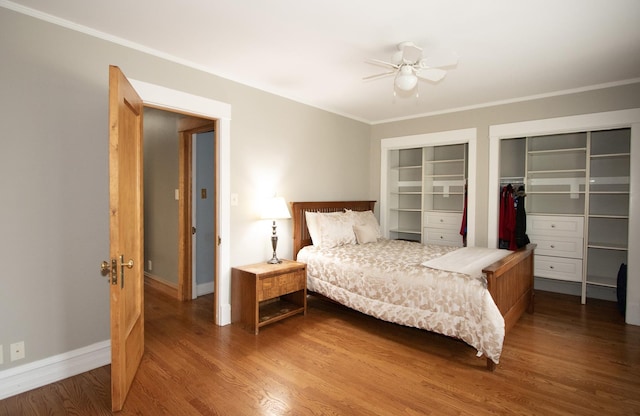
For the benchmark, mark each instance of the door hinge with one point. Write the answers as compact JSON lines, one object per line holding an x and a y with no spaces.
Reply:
{"x":193,"y":230}
{"x":219,"y":240}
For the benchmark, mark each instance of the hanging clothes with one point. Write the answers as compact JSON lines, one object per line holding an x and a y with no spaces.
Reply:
{"x":463,"y":226}
{"x":521,"y":237}
{"x":507,"y":220}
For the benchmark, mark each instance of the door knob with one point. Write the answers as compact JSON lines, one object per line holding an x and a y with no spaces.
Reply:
{"x":105,"y":267}
{"x":128,"y":264}
{"x":109,"y":269}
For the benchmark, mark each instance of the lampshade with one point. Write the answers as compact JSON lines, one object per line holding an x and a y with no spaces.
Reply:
{"x":275,"y":209}
{"x":406,"y":80}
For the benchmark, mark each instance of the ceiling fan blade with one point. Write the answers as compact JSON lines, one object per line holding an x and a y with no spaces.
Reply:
{"x":410,"y":52}
{"x":381,"y":63}
{"x":431,"y":74}
{"x":439,"y":59}
{"x":376,"y":76}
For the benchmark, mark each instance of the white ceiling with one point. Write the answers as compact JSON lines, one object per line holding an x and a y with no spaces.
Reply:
{"x":314,"y":51}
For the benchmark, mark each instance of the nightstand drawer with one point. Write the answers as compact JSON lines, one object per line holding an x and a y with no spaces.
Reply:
{"x":274,"y":286}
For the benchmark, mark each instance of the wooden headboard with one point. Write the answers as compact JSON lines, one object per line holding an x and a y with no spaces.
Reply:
{"x":301,"y":237}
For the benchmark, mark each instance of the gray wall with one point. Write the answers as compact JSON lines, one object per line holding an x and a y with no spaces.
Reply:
{"x":160,"y":206}
{"x":54,"y":228}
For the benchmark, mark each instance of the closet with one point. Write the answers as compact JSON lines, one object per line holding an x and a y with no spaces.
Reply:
{"x":577,"y":203}
{"x":425,"y":187}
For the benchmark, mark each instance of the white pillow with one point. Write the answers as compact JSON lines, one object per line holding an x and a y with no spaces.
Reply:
{"x":365,"y":234}
{"x":335,"y":229}
{"x":366,"y":218}
{"x":312,"y":226}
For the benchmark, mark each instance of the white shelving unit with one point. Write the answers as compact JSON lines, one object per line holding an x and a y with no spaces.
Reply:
{"x":580,"y":181}
{"x":607,"y":208}
{"x":426,"y":188}
{"x":444,"y":180}
{"x":405,"y":194}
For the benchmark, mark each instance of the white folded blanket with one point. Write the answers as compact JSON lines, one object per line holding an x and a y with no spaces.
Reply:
{"x":467,"y":260}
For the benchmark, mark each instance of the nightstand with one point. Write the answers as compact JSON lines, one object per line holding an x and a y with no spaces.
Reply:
{"x":264,"y":293}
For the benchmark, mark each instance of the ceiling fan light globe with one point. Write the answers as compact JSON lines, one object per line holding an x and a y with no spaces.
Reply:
{"x":406,"y":82}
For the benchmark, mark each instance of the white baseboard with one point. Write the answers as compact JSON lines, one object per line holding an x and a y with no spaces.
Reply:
{"x":58,"y":367}
{"x":224,"y":315}
{"x":204,"y":288}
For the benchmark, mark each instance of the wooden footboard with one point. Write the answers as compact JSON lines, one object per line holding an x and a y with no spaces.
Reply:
{"x":510,"y":283}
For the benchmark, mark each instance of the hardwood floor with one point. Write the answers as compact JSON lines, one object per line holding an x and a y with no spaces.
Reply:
{"x":566,"y":359}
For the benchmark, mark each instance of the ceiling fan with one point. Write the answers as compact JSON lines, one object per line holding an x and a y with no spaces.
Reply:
{"x":407,"y":64}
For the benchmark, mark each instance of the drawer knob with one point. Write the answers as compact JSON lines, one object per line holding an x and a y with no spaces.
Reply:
{"x":553,"y":246}
{"x":441,"y":237}
{"x":441,"y":220}
{"x":553,"y":226}
{"x":551,"y":267}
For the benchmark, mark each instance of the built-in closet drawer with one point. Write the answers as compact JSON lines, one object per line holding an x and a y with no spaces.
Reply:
{"x":446,"y":220}
{"x":442,"y":228}
{"x":558,"y":246}
{"x":555,"y":225}
{"x":442,"y":237}
{"x":557,"y":268}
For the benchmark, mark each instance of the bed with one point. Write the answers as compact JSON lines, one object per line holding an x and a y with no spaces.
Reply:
{"x":493,"y":302}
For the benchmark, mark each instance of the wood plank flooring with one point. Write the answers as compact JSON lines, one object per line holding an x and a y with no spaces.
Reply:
{"x":566,"y":359}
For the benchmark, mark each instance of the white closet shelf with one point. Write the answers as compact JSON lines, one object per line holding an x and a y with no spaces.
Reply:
{"x":565,"y":150}
{"x":405,"y":231}
{"x":608,"y":246}
{"x":444,"y":161}
{"x":406,"y":167}
{"x":609,"y":180}
{"x":611,"y":155}
{"x":406,"y":209}
{"x":600,"y":281}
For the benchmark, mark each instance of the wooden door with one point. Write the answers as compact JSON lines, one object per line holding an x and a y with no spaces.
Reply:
{"x":126,"y":234}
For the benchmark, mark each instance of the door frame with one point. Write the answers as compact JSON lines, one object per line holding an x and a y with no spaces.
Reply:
{"x":185,"y":204}
{"x":180,"y":102}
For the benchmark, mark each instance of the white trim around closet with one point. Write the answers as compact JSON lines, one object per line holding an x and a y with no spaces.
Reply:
{"x":434,"y":139}
{"x":585,"y":122}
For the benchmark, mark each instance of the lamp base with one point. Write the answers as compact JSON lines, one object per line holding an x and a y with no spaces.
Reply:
{"x":274,"y":244}
{"x":274,"y":260}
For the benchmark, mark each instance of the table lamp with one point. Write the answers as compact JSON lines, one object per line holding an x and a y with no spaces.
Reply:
{"x":275,"y":209}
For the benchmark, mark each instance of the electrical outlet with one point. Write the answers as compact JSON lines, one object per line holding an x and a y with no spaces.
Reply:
{"x":1,"y":355}
{"x":149,"y":265}
{"x":17,"y":351}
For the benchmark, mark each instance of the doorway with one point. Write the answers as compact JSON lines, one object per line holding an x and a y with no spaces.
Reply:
{"x":203,"y":240}
{"x":176,"y":161}
{"x":172,"y":100}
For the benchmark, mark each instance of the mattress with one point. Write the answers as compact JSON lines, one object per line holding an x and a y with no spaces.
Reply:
{"x":387,"y":280}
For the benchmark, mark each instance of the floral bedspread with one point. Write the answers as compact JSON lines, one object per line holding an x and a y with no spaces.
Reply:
{"x":387,"y":280}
